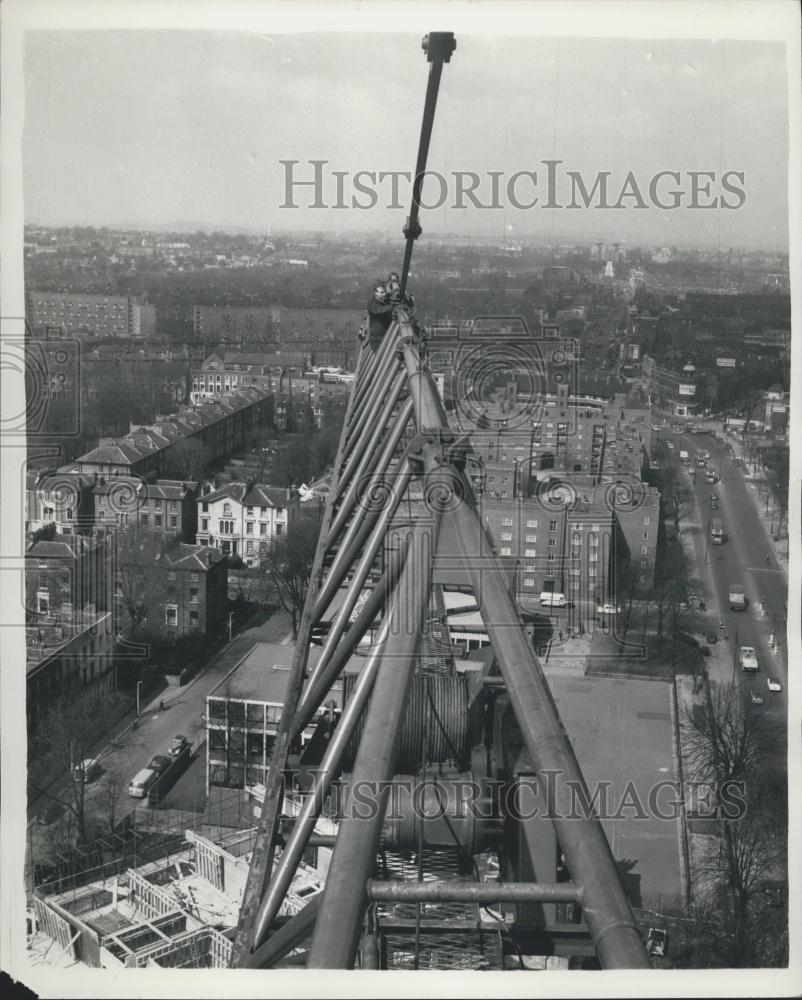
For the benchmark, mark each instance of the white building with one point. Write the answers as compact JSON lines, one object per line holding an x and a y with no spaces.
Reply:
{"x":244,"y":519}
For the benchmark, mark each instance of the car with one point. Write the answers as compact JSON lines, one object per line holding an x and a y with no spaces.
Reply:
{"x":670,"y":445}
{"x":748,"y":658}
{"x":757,"y":699}
{"x":712,"y":638}
{"x":159,"y":763}
{"x":773,"y":684}
{"x":700,"y":463}
{"x":607,"y":609}
{"x":178,"y":744}
{"x":86,"y":770}
{"x":706,"y":455}
{"x":655,"y":427}
{"x":49,"y":813}
{"x":657,"y":942}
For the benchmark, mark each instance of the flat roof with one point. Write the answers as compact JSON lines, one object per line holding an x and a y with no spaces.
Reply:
{"x":264,"y":672}
{"x":622,"y":731}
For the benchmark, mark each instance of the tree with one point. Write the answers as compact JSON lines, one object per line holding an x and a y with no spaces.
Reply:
{"x":187,"y":459}
{"x":109,"y":800}
{"x":730,"y":739}
{"x":66,"y":735}
{"x":141,"y":583}
{"x":288,"y":564}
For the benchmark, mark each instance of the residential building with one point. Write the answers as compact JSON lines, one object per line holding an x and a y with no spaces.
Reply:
{"x":82,"y":316}
{"x":244,"y":519}
{"x":66,"y":576}
{"x":193,"y":580}
{"x":166,"y":506}
{"x":220,"y":426}
{"x":63,"y":499}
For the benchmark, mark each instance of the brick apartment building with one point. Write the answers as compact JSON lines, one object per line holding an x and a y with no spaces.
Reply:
{"x":166,"y":506}
{"x":83,"y":316}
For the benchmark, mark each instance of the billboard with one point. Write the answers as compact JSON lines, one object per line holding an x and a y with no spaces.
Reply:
{"x":686,"y":389}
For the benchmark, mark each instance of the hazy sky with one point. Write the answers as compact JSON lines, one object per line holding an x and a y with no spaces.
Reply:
{"x":154,"y":127}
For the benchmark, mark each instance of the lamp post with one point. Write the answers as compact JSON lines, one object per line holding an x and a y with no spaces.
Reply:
{"x":707,"y":544}
{"x":230,"y":620}
{"x":138,"y":686}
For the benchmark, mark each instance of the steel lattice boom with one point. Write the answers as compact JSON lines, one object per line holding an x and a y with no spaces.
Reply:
{"x":398,"y":499}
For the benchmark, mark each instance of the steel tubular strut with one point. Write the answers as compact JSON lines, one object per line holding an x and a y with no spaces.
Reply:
{"x":329,"y":770}
{"x":314,"y":694}
{"x":369,"y":408}
{"x":361,"y":526}
{"x":338,"y":926}
{"x":383,"y":357}
{"x":262,"y":855}
{"x":473,"y":892}
{"x":583,"y":842}
{"x":361,"y":463}
{"x":366,"y":560}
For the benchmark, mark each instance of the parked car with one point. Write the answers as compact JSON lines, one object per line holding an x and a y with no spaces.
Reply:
{"x":773,"y":684}
{"x":712,"y":638}
{"x":657,"y":942}
{"x":159,"y":763}
{"x":748,"y":658}
{"x":86,"y":770}
{"x":178,"y":744}
{"x":757,"y":699}
{"x":607,"y":609}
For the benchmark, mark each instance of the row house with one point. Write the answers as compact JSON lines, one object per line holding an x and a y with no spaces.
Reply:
{"x":221,"y":425}
{"x":244,"y":519}
{"x":166,"y":506}
{"x":231,"y":371}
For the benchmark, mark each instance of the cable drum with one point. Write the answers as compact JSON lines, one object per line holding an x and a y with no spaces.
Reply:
{"x":438,"y":701}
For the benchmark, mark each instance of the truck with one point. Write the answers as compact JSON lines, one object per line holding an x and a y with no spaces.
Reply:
{"x":748,"y":658}
{"x":737,"y":597}
{"x":716,"y":531}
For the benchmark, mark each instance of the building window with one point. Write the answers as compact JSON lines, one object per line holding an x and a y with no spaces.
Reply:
{"x":69,"y":513}
{"x":530,"y":552}
{"x":528,"y":581}
{"x":159,"y":504}
{"x":157,"y":520}
{"x":171,"y":614}
{"x":204,"y":524}
{"x":249,"y":511}
{"x":646,"y":520}
{"x":194,"y":618}
{"x":552,"y":543}
{"x":552,"y":557}
{"x":531,"y":524}
{"x":552,"y":525}
{"x":531,"y":538}
{"x":506,"y":521}
{"x":279,"y":529}
{"x":262,"y":528}
{"x":249,"y":528}
{"x":193,"y":595}
{"x":173,"y":520}
{"x":205,"y":507}
{"x":644,"y":551}
{"x":506,"y":536}
{"x":173,"y":505}
{"x":506,"y":551}
{"x":145,"y":519}
{"x":550,"y":573}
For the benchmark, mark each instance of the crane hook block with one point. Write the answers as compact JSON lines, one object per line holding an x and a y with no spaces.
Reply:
{"x":412,"y":230}
{"x":439,"y":45}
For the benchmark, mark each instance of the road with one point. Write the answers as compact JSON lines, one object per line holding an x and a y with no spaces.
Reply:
{"x":181,"y":714}
{"x":746,"y":557}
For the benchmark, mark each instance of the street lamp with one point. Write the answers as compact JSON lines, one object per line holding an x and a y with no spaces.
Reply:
{"x":138,"y":686}
{"x":230,"y":620}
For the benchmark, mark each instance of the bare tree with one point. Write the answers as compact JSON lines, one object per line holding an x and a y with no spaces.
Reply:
{"x":109,"y":800}
{"x":187,"y":459}
{"x":141,"y":580}
{"x":288,"y":565}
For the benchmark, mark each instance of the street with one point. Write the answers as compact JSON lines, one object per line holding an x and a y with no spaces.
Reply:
{"x":746,"y":557}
